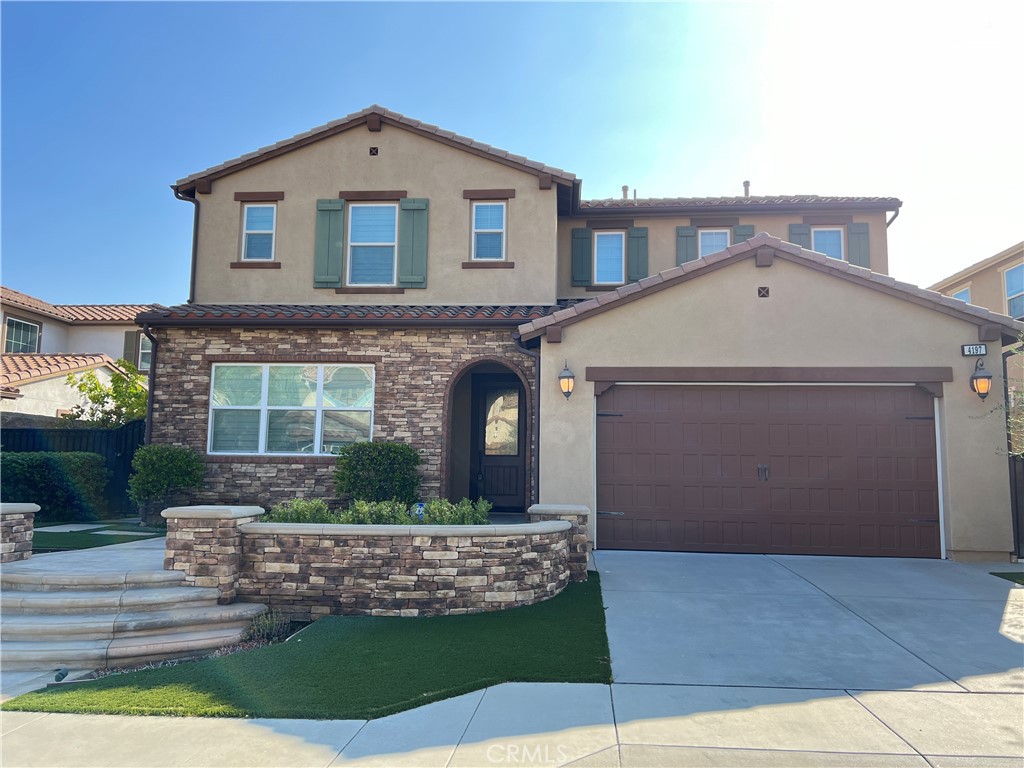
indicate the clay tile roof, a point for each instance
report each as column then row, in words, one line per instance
column 13, row 298
column 756, row 201
column 345, row 314
column 782, row 249
column 105, row 313
column 358, row 118
column 24, row 368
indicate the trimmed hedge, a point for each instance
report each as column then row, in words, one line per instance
column 160, row 470
column 431, row 512
column 378, row 472
column 66, row 485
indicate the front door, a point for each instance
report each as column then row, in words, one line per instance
column 499, row 447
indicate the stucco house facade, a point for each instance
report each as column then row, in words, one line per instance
column 747, row 378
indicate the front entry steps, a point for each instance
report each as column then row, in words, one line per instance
column 98, row 620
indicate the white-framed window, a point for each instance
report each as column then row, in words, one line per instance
column 1013, row 279
column 21, row 336
column 289, row 408
column 258, row 226
column 964, row 294
column 609, row 258
column 372, row 243
column 489, row 231
column 712, row 241
column 145, row 353
column 828, row 240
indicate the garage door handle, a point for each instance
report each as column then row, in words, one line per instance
column 759, row 470
column 924, row 522
column 766, row 472
column 612, row 514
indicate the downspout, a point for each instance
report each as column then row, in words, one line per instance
column 890, row 221
column 195, row 248
column 152, row 379
column 535, row 479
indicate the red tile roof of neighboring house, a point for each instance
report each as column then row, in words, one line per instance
column 343, row 314
column 742, row 202
column 81, row 314
column 10, row 393
column 774, row 248
column 388, row 117
column 11, row 297
column 18, row 368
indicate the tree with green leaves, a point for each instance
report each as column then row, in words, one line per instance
column 110, row 405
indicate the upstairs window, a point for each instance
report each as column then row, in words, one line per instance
column 1015, row 292
column 489, row 231
column 712, row 241
column 609, row 258
column 145, row 353
column 828, row 240
column 21, row 336
column 258, row 237
column 372, row 242
column 964, row 294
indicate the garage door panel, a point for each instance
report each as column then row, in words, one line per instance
column 852, row 470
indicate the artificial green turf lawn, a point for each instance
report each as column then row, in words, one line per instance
column 356, row 667
column 1016, row 578
column 79, row 540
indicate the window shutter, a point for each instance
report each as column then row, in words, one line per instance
column 858, row 249
column 742, row 232
column 329, row 259
column 412, row 242
column 582, row 257
column 131, row 347
column 636, row 254
column 686, row 244
column 800, row 234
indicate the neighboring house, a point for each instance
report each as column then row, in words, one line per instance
column 381, row 278
column 43, row 343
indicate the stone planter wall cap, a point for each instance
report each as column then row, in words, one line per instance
column 211, row 512
column 558, row 509
column 362, row 531
column 17, row 508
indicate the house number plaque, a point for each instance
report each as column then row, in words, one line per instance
column 974, row 350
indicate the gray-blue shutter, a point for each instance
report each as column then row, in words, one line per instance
column 800, row 234
column 582, row 257
column 412, row 242
column 858, row 247
column 686, row 244
column 742, row 232
column 329, row 255
column 636, row 254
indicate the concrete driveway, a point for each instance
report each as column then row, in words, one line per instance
column 872, row 661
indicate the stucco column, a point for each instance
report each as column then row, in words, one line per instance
column 205, row 542
column 17, row 522
column 579, row 543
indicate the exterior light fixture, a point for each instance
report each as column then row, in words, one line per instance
column 567, row 381
column 981, row 380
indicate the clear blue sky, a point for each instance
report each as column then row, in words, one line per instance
column 104, row 105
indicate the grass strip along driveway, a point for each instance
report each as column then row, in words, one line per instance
column 343, row 667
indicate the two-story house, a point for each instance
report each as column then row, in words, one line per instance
column 709, row 374
column 42, row 343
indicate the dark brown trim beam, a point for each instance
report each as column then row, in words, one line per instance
column 764, row 256
column 381, row 194
column 714, row 221
column 258, row 197
column 826, row 219
column 488, row 194
column 373, row 123
column 742, row 209
column 990, row 332
column 255, row 265
column 369, row 290
column 751, row 375
column 609, row 224
column 220, row 458
column 488, row 265
column 322, row 357
column 554, row 335
column 204, row 186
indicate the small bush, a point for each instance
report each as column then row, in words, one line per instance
column 301, row 511
column 65, row 485
column 376, row 513
column 160, row 470
column 466, row 512
column 269, row 627
column 378, row 472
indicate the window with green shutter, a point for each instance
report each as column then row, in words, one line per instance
column 636, row 256
column 582, row 257
column 329, row 254
column 412, row 242
column 686, row 245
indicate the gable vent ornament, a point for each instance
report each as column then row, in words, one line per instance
column 981, row 380
column 567, row 381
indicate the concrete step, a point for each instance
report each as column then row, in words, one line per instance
column 121, row 651
column 82, row 601
column 107, row 626
column 47, row 581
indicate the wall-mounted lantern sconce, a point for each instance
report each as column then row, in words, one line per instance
column 567, row 381
column 981, row 380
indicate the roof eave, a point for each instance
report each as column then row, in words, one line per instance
column 159, row 320
column 879, row 206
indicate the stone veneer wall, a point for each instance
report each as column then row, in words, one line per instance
column 17, row 524
column 414, row 367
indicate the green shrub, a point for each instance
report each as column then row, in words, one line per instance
column 66, row 486
column 466, row 512
column 378, row 472
column 300, row 511
column 269, row 627
column 160, row 470
column 376, row 513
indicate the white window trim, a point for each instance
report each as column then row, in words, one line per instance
column 961, row 289
column 263, row 408
column 597, row 234
column 504, row 221
column 246, row 231
column 349, row 244
column 138, row 354
column 842, row 239
column 7, row 334
column 700, row 239
column 1006, row 290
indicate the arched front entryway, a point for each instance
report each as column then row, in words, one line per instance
column 489, row 436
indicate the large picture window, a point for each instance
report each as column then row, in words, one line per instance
column 290, row 408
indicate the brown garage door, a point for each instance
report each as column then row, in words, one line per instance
column 798, row 470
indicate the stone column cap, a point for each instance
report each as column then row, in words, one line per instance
column 558, row 509
column 211, row 512
column 17, row 508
